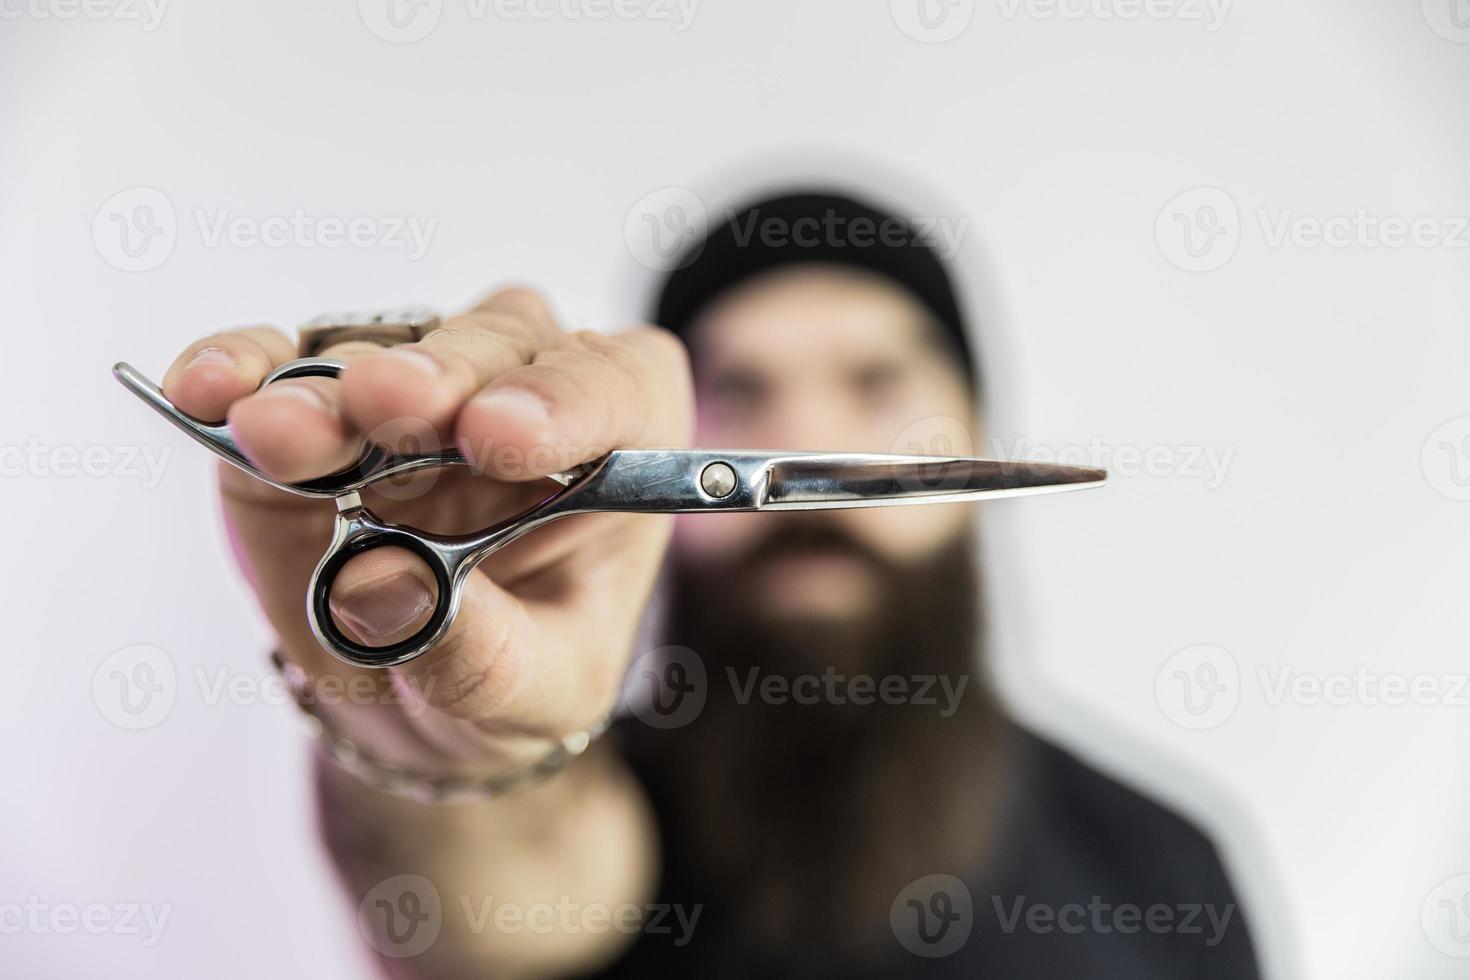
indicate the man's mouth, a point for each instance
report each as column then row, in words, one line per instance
column 811, row 561
column 819, row 582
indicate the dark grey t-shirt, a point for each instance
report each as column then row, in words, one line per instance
column 1088, row 879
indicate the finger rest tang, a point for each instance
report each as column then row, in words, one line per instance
column 373, row 465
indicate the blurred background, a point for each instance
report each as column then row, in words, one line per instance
column 1219, row 247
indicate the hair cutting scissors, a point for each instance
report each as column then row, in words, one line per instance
column 651, row 481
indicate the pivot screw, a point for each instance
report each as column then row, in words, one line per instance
column 718, row 480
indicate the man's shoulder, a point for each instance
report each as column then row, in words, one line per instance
column 1075, row 834
column 1082, row 798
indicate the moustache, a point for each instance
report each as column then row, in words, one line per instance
column 807, row 535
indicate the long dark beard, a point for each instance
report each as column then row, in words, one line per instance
column 805, row 821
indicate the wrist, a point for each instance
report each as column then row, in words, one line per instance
column 380, row 747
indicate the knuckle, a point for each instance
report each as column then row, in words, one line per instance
column 668, row 371
column 479, row 323
column 525, row 301
column 664, row 347
column 463, row 329
column 474, row 675
column 477, row 346
column 609, row 352
column 464, row 696
column 453, row 333
column 590, row 342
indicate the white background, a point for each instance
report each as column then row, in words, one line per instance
column 1332, row 543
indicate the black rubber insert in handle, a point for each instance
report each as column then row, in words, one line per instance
column 384, row 656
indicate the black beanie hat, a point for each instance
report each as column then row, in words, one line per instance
column 812, row 227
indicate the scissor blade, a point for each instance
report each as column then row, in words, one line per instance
column 831, row 481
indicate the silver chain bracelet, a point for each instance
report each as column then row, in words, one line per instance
column 407, row 783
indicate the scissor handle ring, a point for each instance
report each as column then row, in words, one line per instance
column 372, row 456
column 305, row 367
column 446, row 603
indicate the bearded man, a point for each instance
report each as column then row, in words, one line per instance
column 806, row 777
